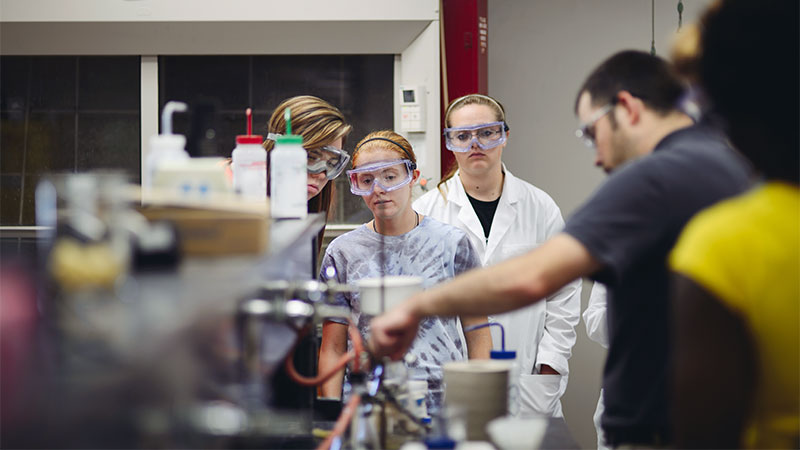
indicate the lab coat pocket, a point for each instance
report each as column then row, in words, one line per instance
column 539, row 394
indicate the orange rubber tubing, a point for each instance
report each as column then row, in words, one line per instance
column 342, row 422
column 358, row 347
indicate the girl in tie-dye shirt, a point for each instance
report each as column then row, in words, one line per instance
column 399, row 241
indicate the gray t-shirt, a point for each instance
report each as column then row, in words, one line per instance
column 434, row 251
column 630, row 224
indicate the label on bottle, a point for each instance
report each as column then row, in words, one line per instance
column 250, row 172
column 288, row 179
column 253, row 179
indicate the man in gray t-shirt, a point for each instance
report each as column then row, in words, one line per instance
column 628, row 108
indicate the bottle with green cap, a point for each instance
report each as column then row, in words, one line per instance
column 288, row 175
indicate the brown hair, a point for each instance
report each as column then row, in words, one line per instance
column 387, row 140
column 455, row 105
column 320, row 123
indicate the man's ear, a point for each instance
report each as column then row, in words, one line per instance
column 633, row 107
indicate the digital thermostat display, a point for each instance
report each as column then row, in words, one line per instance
column 412, row 109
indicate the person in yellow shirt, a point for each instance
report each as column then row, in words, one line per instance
column 736, row 285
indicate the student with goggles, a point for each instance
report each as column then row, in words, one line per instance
column 324, row 132
column 505, row 216
column 398, row 241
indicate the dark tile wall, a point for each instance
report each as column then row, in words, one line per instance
column 79, row 113
column 218, row 89
column 64, row 114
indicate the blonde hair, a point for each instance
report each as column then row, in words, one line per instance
column 475, row 99
column 319, row 122
column 685, row 52
column 386, row 140
column 455, row 105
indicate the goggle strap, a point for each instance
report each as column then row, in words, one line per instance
column 382, row 165
column 477, row 127
column 413, row 164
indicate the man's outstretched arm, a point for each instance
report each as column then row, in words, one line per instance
column 503, row 287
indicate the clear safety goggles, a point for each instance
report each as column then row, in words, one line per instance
column 328, row 159
column 487, row 136
column 389, row 175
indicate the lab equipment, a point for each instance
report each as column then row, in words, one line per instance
column 165, row 146
column 288, row 175
column 250, row 164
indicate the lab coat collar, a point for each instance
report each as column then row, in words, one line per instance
column 504, row 217
column 512, row 191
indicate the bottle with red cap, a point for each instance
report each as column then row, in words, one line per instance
column 250, row 164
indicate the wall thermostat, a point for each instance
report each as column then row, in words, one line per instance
column 412, row 108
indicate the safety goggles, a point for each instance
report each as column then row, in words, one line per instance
column 487, row 136
column 328, row 159
column 389, row 175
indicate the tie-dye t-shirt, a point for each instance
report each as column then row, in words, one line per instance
column 434, row 251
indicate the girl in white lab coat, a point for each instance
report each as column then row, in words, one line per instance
column 504, row 217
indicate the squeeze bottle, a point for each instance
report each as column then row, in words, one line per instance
column 250, row 164
column 288, row 165
column 510, row 356
column 165, row 146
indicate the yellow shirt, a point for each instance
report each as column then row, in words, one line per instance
column 746, row 251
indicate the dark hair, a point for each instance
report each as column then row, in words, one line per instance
column 749, row 69
column 647, row 77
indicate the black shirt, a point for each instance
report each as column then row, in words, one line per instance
column 630, row 224
column 485, row 212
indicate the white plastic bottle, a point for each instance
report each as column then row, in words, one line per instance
column 165, row 146
column 288, row 165
column 250, row 164
column 510, row 356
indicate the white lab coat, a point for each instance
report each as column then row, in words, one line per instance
column 542, row 333
column 595, row 315
column 597, row 329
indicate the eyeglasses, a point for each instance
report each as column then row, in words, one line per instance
column 328, row 159
column 487, row 136
column 586, row 131
column 389, row 175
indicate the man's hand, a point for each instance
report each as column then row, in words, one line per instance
column 394, row 331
